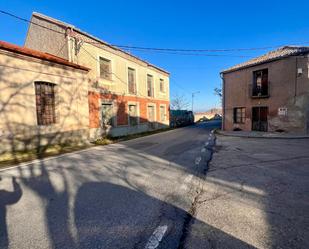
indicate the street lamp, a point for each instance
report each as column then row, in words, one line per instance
column 193, row 98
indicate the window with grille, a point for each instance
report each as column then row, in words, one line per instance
column 239, row 115
column 162, row 86
column 105, row 69
column 149, row 85
column 131, row 81
column 133, row 117
column 162, row 113
column 45, row 103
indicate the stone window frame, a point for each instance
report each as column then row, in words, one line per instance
column 138, row 111
column 165, row 112
column 155, row 111
column 115, row 110
column 128, row 67
column 242, row 115
column 153, row 85
column 54, row 117
column 104, row 80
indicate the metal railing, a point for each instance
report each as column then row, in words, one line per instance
column 259, row 92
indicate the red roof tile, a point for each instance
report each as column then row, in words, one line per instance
column 277, row 54
column 40, row 55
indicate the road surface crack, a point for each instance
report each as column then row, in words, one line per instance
column 192, row 211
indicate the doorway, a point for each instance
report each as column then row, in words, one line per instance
column 107, row 117
column 259, row 118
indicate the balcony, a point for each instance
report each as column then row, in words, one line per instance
column 259, row 91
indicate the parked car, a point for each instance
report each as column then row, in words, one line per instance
column 179, row 118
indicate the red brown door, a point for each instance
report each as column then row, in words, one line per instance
column 259, row 118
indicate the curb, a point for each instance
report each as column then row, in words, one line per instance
column 260, row 137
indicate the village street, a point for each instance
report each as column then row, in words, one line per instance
column 125, row 195
column 255, row 195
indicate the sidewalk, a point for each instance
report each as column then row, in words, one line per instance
column 259, row 134
column 254, row 196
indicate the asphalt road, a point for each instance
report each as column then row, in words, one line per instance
column 134, row 194
column 255, row 195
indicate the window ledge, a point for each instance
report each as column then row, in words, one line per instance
column 104, row 81
column 260, row 96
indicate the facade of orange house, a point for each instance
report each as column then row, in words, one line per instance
column 268, row 93
column 43, row 99
column 125, row 94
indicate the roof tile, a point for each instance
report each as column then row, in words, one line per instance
column 38, row 54
column 270, row 56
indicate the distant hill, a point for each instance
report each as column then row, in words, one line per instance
column 214, row 112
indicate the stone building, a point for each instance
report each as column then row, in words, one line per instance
column 268, row 93
column 43, row 99
column 125, row 94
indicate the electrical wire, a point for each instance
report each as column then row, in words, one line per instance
column 25, row 20
column 204, row 50
column 137, row 94
column 176, row 51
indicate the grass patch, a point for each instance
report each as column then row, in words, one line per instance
column 104, row 141
column 7, row 159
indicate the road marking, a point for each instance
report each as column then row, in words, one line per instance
column 198, row 160
column 156, row 237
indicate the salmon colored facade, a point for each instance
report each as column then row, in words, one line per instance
column 122, row 103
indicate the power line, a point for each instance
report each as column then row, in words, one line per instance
column 136, row 48
column 28, row 21
column 206, row 50
column 190, row 54
column 191, row 50
column 177, row 51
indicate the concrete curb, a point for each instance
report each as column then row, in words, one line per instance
column 269, row 136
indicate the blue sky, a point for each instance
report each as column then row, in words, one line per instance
column 176, row 24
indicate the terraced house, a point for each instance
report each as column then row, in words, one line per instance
column 268, row 93
column 125, row 94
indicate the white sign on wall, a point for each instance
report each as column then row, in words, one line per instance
column 282, row 111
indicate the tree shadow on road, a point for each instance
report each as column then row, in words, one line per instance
column 7, row 198
column 96, row 213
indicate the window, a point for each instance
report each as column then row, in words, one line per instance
column 162, row 86
column 105, row 69
column 151, row 113
column 107, row 114
column 131, row 81
column 260, row 83
column 162, row 113
column 239, row 115
column 45, row 103
column 149, row 85
column 133, row 116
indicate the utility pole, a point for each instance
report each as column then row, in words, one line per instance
column 193, row 94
